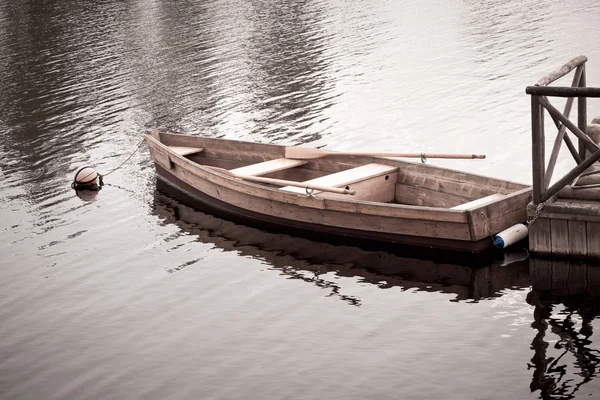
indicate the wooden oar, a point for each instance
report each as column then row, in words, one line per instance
column 307, row 153
column 281, row 182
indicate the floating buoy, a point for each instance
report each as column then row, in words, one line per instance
column 86, row 178
column 510, row 236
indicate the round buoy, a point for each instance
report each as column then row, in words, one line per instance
column 86, row 178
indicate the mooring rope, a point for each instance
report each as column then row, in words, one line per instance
column 127, row 159
column 100, row 176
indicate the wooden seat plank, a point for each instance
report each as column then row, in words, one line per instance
column 266, row 167
column 347, row 177
column 186, row 151
column 479, row 202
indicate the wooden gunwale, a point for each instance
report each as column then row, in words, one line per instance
column 385, row 221
column 356, row 206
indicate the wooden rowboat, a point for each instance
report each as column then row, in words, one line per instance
column 363, row 197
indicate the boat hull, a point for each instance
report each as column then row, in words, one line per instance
column 191, row 196
column 468, row 228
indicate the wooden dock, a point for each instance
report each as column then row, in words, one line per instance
column 564, row 218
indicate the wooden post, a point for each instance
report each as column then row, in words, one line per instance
column 582, row 111
column 538, row 148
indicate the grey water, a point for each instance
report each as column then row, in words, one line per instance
column 127, row 294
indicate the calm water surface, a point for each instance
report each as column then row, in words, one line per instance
column 131, row 295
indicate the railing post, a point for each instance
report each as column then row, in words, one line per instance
column 538, row 148
column 582, row 112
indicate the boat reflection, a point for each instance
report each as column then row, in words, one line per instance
column 322, row 263
column 566, row 300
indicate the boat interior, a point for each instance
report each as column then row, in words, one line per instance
column 376, row 179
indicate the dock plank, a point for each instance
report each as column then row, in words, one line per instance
column 540, row 240
column 559, row 231
column 593, row 239
column 577, row 238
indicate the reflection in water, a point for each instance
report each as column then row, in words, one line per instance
column 289, row 69
column 322, row 264
column 566, row 301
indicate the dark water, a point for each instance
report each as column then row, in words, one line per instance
column 130, row 295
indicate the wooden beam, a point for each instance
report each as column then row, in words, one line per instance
column 562, row 71
column 582, row 112
column 590, row 145
column 563, row 91
column 537, row 148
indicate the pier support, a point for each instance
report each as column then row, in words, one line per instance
column 565, row 216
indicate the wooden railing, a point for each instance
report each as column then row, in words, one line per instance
column 539, row 104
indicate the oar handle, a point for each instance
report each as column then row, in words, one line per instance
column 412, row 155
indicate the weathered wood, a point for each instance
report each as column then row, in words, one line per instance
column 588, row 186
column 537, row 148
column 559, row 230
column 574, row 192
column 495, row 217
column 577, row 238
column 539, row 236
column 583, row 137
column 593, row 239
column 562, row 71
column 452, row 185
column 447, row 180
column 418, row 196
column 571, row 175
column 231, row 149
column 267, row 167
column 429, row 226
column 582, row 112
column 574, row 152
column 560, row 137
column 574, row 207
column 487, row 226
column 563, row 91
column 184, row 151
column 330, row 217
column 377, row 189
column 480, row 202
column 572, row 217
column 347, row 177
column 396, row 210
column 589, row 178
column 304, row 186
